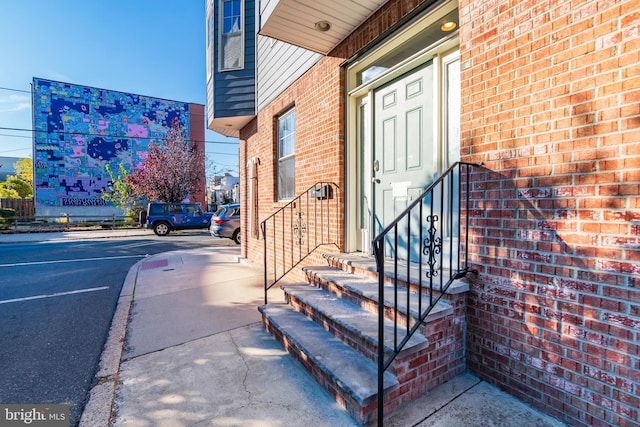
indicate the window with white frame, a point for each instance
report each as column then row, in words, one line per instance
column 286, row 155
column 231, row 55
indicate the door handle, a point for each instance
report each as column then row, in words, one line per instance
column 375, row 181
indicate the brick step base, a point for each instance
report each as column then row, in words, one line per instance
column 348, row 375
column 330, row 325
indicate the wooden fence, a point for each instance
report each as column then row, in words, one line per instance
column 23, row 207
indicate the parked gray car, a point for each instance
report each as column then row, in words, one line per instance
column 226, row 222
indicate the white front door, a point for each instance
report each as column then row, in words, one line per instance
column 403, row 117
column 405, row 154
column 408, row 134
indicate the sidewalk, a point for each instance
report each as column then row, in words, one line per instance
column 187, row 348
column 72, row 235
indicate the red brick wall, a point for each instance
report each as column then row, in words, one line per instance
column 318, row 97
column 319, row 155
column 196, row 135
column 551, row 105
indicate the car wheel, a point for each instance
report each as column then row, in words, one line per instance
column 161, row 229
column 236, row 236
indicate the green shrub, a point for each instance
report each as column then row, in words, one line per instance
column 7, row 217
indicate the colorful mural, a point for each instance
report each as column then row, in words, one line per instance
column 79, row 130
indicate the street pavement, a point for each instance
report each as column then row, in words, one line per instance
column 7, row 237
column 186, row 348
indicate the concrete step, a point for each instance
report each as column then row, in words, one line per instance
column 348, row 375
column 363, row 291
column 350, row 322
column 408, row 272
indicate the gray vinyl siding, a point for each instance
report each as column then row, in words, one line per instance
column 210, row 44
column 279, row 65
column 266, row 7
column 234, row 92
column 210, row 101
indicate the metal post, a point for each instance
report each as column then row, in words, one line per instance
column 264, row 258
column 378, row 248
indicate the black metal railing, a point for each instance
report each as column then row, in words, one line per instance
column 297, row 229
column 430, row 241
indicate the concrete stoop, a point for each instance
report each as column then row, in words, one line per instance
column 330, row 325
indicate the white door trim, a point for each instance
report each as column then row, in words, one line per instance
column 355, row 92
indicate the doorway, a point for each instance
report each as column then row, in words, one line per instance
column 404, row 150
column 403, row 117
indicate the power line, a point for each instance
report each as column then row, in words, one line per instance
column 101, row 135
column 17, row 149
column 221, row 154
column 223, row 164
column 131, row 137
column 107, row 136
column 17, row 129
column 16, row 136
column 181, row 102
column 190, row 113
column 15, row 90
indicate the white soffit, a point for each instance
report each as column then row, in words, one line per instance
column 229, row 126
column 293, row 21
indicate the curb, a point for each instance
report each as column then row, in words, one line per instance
column 99, row 408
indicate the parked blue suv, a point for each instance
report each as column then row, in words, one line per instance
column 165, row 217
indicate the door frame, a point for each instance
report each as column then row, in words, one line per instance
column 355, row 168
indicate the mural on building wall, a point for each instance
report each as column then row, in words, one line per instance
column 79, row 130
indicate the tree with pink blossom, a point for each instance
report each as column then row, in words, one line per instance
column 171, row 171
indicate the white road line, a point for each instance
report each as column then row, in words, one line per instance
column 20, row 264
column 59, row 294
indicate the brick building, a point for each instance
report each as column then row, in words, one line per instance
column 81, row 129
column 380, row 98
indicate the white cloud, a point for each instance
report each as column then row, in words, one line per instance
column 11, row 103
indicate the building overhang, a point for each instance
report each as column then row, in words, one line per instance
column 315, row 25
column 230, row 126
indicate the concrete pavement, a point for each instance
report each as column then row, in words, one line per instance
column 6, row 237
column 186, row 348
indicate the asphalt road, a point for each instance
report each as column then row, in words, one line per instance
column 57, row 301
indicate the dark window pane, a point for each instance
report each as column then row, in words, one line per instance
column 231, row 17
column 157, row 209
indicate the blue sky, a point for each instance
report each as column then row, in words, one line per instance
column 147, row 47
